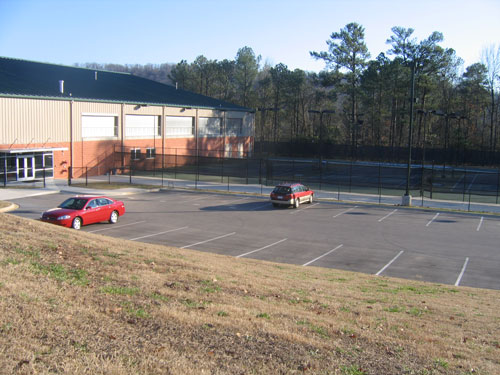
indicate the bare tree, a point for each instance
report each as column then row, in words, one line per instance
column 490, row 57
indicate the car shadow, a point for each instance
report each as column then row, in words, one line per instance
column 247, row 206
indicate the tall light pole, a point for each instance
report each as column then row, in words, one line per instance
column 407, row 197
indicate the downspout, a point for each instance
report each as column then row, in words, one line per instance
column 70, row 170
column 196, row 132
column 162, row 129
column 122, row 138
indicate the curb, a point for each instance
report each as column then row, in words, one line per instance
column 12, row 207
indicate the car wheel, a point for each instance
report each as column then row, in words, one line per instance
column 77, row 223
column 297, row 202
column 310, row 198
column 113, row 219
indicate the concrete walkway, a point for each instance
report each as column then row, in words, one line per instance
column 55, row 186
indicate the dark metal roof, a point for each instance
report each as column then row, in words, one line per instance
column 22, row 78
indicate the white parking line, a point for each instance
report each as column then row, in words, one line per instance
column 386, row 216
column 211, row 239
column 324, row 255
column 157, row 234
column 343, row 212
column 480, row 223
column 305, row 208
column 262, row 248
column 388, row 264
column 434, row 218
column 457, row 283
column 115, row 226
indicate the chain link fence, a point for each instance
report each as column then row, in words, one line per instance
column 439, row 182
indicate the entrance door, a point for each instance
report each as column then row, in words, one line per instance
column 25, row 168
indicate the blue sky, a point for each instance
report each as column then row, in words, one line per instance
column 154, row 31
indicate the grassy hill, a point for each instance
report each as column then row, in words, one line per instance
column 78, row 303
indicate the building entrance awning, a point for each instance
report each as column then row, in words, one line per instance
column 35, row 149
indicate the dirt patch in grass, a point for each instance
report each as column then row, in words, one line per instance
column 75, row 303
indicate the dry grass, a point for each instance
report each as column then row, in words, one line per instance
column 77, row 303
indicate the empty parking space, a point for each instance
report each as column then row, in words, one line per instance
column 444, row 247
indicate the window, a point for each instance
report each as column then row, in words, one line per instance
column 99, row 126
column 142, row 126
column 179, row 126
column 135, row 154
column 210, row 127
column 150, row 153
column 103, row 201
column 234, row 127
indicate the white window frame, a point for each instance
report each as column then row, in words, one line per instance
column 93, row 128
column 142, row 126
column 135, row 154
column 150, row 152
column 179, row 126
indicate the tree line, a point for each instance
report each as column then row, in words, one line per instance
column 356, row 101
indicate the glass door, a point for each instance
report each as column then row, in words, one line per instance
column 25, row 168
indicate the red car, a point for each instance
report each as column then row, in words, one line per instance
column 83, row 210
column 291, row 195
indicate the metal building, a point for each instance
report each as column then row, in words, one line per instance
column 55, row 119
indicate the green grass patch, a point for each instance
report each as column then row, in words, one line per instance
column 119, row 290
column 263, row 315
column 60, row 273
column 351, row 370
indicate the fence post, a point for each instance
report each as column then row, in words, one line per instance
column 498, row 184
column 465, row 183
column 222, row 170
column 422, row 179
column 260, row 171
column 432, row 178
column 320, row 173
column 197, row 171
column 70, row 173
column 86, row 176
column 44, row 184
column 350, row 177
column 175, row 165
column 5, row 171
column 379, row 184
column 130, row 171
column 247, row 168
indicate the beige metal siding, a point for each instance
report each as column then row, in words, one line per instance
column 33, row 121
column 81, row 108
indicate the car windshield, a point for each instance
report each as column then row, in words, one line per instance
column 74, row 203
column 282, row 190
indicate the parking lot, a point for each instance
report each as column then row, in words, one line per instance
column 427, row 245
